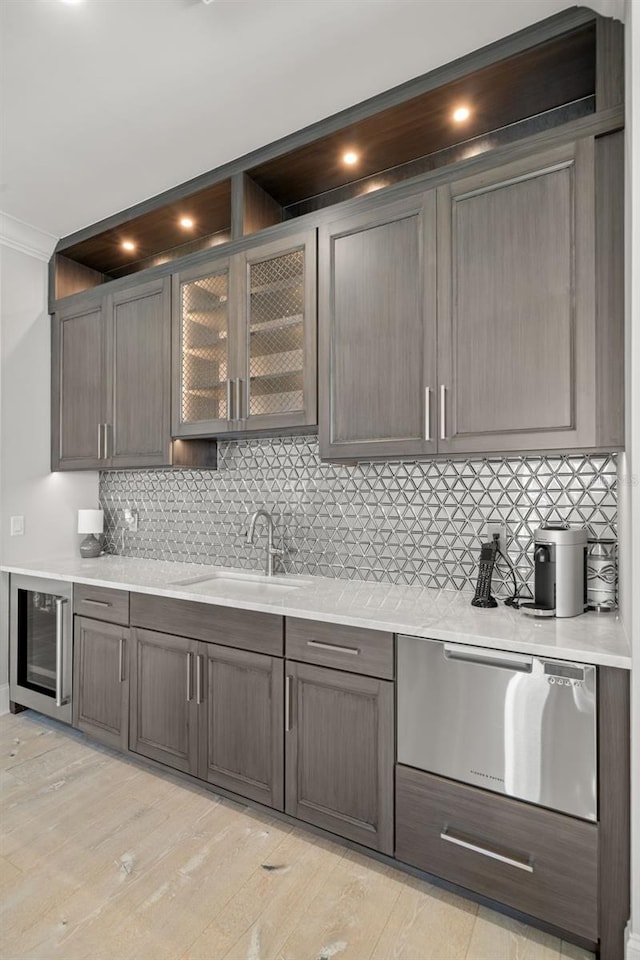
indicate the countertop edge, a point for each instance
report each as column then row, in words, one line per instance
column 285, row 606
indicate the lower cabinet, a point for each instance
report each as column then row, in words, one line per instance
column 340, row 753
column 101, row 681
column 209, row 710
column 241, row 747
column 163, row 707
column 542, row 863
column 312, row 733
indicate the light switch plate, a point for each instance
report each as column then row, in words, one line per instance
column 17, row 526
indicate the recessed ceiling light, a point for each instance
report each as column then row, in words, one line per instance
column 460, row 114
column 186, row 222
column 127, row 245
column 350, row 157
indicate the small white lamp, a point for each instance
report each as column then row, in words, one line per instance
column 90, row 522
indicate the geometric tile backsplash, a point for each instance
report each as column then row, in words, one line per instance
column 416, row 522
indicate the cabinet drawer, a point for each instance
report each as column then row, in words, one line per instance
column 541, row 863
column 244, row 629
column 100, row 603
column 353, row 649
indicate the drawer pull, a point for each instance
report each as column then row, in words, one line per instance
column 334, row 648
column 96, row 603
column 485, row 851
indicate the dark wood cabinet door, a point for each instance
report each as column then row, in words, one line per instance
column 139, row 381
column 277, row 335
column 339, row 746
column 78, row 409
column 163, row 718
column 101, row 681
column 377, row 325
column 516, row 311
column 241, row 722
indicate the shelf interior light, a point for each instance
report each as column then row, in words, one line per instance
column 460, row 114
column 186, row 222
column 350, row 157
column 128, row 245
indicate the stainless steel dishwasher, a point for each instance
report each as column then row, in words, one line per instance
column 519, row 725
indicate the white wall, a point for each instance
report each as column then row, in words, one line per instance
column 48, row 501
column 630, row 517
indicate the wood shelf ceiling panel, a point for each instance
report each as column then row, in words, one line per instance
column 157, row 231
column 540, row 79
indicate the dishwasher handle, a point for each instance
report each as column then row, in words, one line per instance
column 488, row 658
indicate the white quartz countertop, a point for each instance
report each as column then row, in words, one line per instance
column 418, row 611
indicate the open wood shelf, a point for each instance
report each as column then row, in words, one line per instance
column 537, row 80
column 518, row 88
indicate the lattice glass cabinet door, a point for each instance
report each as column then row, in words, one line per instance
column 279, row 332
column 203, row 350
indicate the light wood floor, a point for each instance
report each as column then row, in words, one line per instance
column 102, row 859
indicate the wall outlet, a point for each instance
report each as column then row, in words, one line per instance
column 498, row 527
column 131, row 519
column 17, row 526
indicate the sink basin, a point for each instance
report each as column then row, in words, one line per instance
column 244, row 582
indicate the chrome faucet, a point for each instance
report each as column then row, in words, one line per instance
column 271, row 550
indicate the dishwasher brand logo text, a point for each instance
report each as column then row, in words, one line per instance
column 487, row 776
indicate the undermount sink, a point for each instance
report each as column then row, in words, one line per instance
column 244, row 582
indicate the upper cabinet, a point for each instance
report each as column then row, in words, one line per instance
column 203, row 350
column 139, row 362
column 378, row 332
column 244, row 341
column 517, row 315
column 529, row 324
column 111, row 380
column 78, row 380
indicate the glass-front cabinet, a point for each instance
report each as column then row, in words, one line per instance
column 202, row 350
column 245, row 341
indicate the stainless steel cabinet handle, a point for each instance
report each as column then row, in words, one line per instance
column 121, row 660
column 199, row 693
column 189, row 674
column 287, row 703
column 443, row 412
column 461, row 841
column 96, row 603
column 99, row 441
column 333, row 647
column 60, row 601
column 106, row 440
column 239, row 405
column 427, row 413
column 229, row 417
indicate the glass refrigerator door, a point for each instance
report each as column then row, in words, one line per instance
column 37, row 641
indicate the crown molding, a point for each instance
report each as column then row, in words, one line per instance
column 27, row 239
column 607, row 8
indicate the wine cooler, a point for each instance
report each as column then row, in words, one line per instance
column 41, row 646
